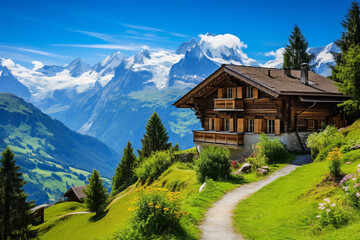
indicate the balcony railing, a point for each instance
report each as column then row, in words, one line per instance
column 228, row 104
column 224, row 138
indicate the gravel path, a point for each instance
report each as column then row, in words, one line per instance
column 218, row 222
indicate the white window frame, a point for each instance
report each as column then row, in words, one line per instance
column 226, row 124
column 270, row 126
column 250, row 125
column 249, row 92
column 229, row 93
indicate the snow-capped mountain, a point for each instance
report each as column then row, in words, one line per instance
column 321, row 63
column 8, row 83
column 206, row 56
column 105, row 100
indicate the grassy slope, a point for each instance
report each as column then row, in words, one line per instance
column 281, row 209
column 179, row 177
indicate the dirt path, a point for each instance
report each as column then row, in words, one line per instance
column 218, row 222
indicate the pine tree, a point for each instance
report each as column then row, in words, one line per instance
column 156, row 138
column 124, row 175
column 15, row 216
column 350, row 36
column 95, row 193
column 348, row 76
column 296, row 51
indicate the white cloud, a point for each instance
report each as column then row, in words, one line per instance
column 222, row 40
column 37, row 65
column 276, row 54
column 30, row 50
column 105, row 46
column 152, row 29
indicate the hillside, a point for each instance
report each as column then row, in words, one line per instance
column 265, row 215
column 51, row 156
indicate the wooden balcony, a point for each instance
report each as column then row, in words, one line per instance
column 224, row 138
column 228, row 104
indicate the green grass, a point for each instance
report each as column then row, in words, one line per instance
column 178, row 177
column 281, row 209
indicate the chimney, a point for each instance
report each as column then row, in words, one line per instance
column 287, row 71
column 269, row 73
column 304, row 76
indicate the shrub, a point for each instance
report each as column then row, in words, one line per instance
column 57, row 177
column 152, row 167
column 157, row 213
column 351, row 187
column 321, row 143
column 266, row 152
column 335, row 164
column 329, row 214
column 214, row 163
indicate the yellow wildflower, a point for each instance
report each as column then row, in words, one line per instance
column 166, row 209
column 157, row 206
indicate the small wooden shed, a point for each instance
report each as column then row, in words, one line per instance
column 75, row 194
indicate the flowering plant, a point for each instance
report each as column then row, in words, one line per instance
column 329, row 214
column 234, row 164
column 156, row 210
column 351, row 187
column 335, row 164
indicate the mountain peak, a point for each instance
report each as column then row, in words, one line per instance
column 77, row 67
column 186, row 46
column 140, row 56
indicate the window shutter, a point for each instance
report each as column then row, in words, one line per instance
column 239, row 92
column 220, row 93
column 255, row 93
column 240, row 125
column 231, row 125
column 277, row 127
column 217, row 124
column 221, row 127
column 206, row 124
column 234, row 92
column 258, row 125
column 264, row 126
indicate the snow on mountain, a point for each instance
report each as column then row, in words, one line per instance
column 225, row 49
column 77, row 67
column 205, row 57
column 186, row 46
column 321, row 63
column 8, row 83
column 324, row 58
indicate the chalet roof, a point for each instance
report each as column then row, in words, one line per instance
column 78, row 190
column 275, row 85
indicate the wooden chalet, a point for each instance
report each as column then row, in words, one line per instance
column 75, row 194
column 237, row 103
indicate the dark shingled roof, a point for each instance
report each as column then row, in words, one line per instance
column 282, row 83
column 78, row 190
column 275, row 85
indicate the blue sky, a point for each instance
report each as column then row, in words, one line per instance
column 55, row 32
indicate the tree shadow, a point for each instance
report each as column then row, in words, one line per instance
column 99, row 216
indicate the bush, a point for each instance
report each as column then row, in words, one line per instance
column 267, row 151
column 335, row 164
column 329, row 214
column 152, row 167
column 322, row 143
column 57, row 177
column 214, row 163
column 157, row 214
column 351, row 187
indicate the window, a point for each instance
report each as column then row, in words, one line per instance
column 249, row 92
column 229, row 93
column 226, row 124
column 270, row 125
column 212, row 124
column 250, row 126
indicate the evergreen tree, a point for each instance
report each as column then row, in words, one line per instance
column 350, row 36
column 348, row 76
column 95, row 193
column 124, row 175
column 295, row 52
column 156, row 138
column 15, row 216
